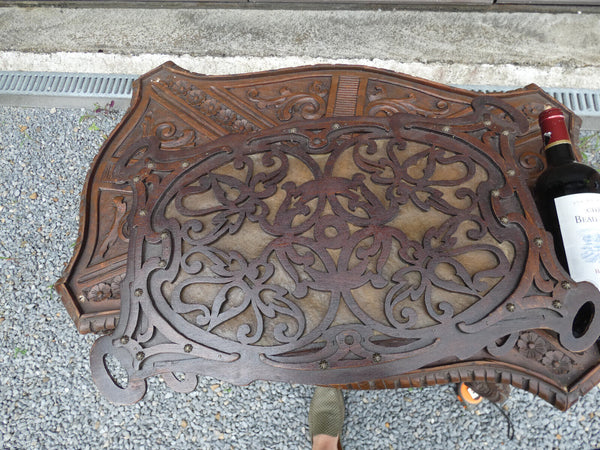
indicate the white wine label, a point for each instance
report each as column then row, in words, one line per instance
column 579, row 219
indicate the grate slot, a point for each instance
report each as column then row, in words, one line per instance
column 60, row 82
column 92, row 87
column 85, row 85
column 78, row 84
column 36, row 83
column 17, row 82
column 57, row 85
column 66, row 87
column 102, row 86
column 29, row 83
column 43, row 84
column 110, row 85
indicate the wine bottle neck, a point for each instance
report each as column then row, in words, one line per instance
column 557, row 142
column 559, row 154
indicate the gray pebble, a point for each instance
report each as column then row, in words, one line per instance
column 47, row 397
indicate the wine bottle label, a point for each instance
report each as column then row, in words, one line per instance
column 579, row 220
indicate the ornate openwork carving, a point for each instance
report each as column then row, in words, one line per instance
column 362, row 251
column 289, row 104
column 381, row 103
column 204, row 103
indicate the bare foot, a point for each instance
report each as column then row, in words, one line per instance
column 324, row 442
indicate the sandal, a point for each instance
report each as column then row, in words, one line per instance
column 326, row 413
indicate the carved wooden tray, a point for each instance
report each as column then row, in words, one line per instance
column 331, row 225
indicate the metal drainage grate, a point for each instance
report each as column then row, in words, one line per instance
column 64, row 89
column 81, row 89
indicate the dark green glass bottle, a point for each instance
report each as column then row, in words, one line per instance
column 567, row 194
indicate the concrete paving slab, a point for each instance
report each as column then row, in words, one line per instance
column 500, row 48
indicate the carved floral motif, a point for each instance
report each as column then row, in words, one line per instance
column 381, row 104
column 557, row 362
column 208, row 105
column 169, row 135
column 532, row 345
column 115, row 285
column 289, row 104
column 110, row 289
column 100, row 292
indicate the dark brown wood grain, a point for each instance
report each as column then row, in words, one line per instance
column 325, row 225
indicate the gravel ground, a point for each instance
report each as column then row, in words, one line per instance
column 48, row 400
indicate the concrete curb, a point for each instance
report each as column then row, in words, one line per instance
column 458, row 73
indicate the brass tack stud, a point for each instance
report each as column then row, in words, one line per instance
column 142, row 212
column 185, row 164
column 124, row 340
column 293, row 130
column 487, row 123
column 511, row 172
column 138, row 292
column 323, row 364
column 162, row 263
column 336, row 126
column 510, row 307
column 557, row 304
column 504, row 220
column 376, row 357
column 506, row 132
column 82, row 298
column 140, row 356
column 565, row 285
column 188, row 348
column 136, row 179
column 496, row 193
column 446, row 129
column 164, row 235
column 151, row 165
column 538, row 241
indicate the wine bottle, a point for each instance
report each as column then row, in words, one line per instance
column 567, row 195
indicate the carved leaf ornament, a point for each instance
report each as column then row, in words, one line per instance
column 270, row 237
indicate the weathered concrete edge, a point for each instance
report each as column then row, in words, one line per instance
column 463, row 74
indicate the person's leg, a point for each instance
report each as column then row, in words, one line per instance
column 324, row 442
column 326, row 418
